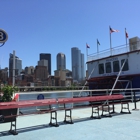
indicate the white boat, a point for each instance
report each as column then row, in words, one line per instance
column 117, row 67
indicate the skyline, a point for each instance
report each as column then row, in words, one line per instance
column 35, row 27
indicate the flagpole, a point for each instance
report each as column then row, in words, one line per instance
column 97, row 49
column 110, row 41
column 87, row 51
column 125, row 37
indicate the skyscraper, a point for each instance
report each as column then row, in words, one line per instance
column 43, row 62
column 46, row 56
column 29, row 70
column 78, row 69
column 61, row 61
column 18, row 66
column 41, row 73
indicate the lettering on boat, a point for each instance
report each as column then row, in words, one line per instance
column 112, row 59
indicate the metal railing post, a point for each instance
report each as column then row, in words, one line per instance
column 135, row 104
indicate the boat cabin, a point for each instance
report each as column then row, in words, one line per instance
column 116, row 67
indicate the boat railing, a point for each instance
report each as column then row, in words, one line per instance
column 109, row 52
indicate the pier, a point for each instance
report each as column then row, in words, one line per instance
column 34, row 127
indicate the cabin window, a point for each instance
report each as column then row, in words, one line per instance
column 108, row 67
column 125, row 67
column 116, row 67
column 101, row 68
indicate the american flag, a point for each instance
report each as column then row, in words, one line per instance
column 112, row 30
column 126, row 34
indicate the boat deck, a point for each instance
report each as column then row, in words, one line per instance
column 35, row 127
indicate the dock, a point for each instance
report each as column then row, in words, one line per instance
column 36, row 127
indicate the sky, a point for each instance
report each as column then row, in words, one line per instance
column 54, row 26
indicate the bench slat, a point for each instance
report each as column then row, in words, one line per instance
column 30, row 103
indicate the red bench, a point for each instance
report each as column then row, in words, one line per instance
column 105, row 101
column 10, row 106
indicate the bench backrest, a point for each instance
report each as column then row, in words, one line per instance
column 75, row 100
column 31, row 103
column 92, row 98
column 27, row 103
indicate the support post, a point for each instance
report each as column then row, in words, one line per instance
column 135, row 104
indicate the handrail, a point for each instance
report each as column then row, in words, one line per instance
column 88, row 78
column 124, row 48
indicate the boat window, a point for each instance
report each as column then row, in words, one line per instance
column 125, row 68
column 116, row 67
column 108, row 67
column 101, row 68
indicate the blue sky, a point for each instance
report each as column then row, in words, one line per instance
column 53, row 26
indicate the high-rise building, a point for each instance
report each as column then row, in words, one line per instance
column 18, row 66
column 43, row 62
column 61, row 61
column 41, row 73
column 4, row 75
column 78, row 69
column 46, row 56
column 29, row 70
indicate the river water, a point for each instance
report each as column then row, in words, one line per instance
column 48, row 95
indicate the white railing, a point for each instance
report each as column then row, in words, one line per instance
column 72, row 94
column 108, row 52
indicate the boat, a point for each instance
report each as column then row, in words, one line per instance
column 115, row 68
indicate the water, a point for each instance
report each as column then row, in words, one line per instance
column 48, row 95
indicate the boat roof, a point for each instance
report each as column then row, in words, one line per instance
column 126, row 53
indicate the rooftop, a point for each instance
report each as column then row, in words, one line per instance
column 134, row 44
column 119, row 126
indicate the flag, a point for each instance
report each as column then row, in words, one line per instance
column 126, row 34
column 87, row 45
column 112, row 30
column 16, row 97
column 98, row 42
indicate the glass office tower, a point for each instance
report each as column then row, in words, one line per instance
column 78, row 69
column 46, row 56
column 18, row 66
column 61, row 61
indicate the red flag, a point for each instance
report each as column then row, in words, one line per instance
column 112, row 30
column 126, row 34
column 16, row 97
column 87, row 45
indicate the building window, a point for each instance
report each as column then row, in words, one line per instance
column 125, row 67
column 101, row 68
column 108, row 67
column 116, row 67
